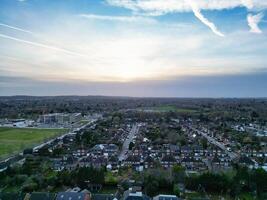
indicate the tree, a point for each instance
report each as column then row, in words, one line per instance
column 131, row 145
column 259, row 176
column 204, row 143
column 176, row 190
column 151, row 185
column 178, row 174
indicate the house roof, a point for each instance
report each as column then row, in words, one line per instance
column 149, row 159
column 187, row 159
column 174, row 147
column 133, row 195
column 102, row 197
column 71, row 195
column 100, row 160
column 186, row 148
column 42, row 196
column 245, row 160
column 216, row 159
column 166, row 197
column 113, row 159
column 198, row 148
column 168, row 158
column 71, row 160
column 132, row 158
column 87, row 159
column 11, row 196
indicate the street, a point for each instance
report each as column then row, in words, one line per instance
column 213, row 141
column 128, row 140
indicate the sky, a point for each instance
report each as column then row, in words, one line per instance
column 155, row 48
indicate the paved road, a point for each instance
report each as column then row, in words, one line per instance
column 128, row 140
column 62, row 136
column 11, row 160
column 212, row 140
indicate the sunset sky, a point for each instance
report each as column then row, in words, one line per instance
column 167, row 48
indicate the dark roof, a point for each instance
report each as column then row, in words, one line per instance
column 100, row 160
column 186, row 148
column 168, row 158
column 112, row 147
column 187, row 159
column 87, row 159
column 144, row 197
column 198, row 148
column 71, row 160
column 128, row 195
column 11, row 196
column 71, row 195
column 102, row 197
column 174, row 147
column 245, row 160
column 132, row 158
column 167, row 197
column 113, row 159
column 149, row 159
column 216, row 159
column 42, row 196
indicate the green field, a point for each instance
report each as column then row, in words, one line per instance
column 14, row 140
column 170, row 108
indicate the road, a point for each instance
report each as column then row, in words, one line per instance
column 128, row 140
column 62, row 136
column 9, row 161
column 213, row 141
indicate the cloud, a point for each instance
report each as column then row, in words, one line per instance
column 162, row 7
column 118, row 18
column 253, row 21
column 248, row 3
column 168, row 6
column 204, row 20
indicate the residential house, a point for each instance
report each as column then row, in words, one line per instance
column 132, row 194
column 72, row 196
column 41, row 196
column 168, row 161
column 166, row 197
column 149, row 162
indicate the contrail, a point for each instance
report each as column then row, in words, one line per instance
column 204, row 20
column 41, row 45
column 35, row 43
column 16, row 28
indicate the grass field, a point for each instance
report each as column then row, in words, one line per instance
column 169, row 108
column 14, row 140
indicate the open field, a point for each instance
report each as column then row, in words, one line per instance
column 14, row 140
column 169, row 108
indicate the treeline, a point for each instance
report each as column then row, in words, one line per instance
column 240, row 181
column 29, row 178
column 244, row 181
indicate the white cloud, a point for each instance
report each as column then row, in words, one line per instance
column 248, row 3
column 118, row 18
column 167, row 6
column 161, row 7
column 253, row 21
